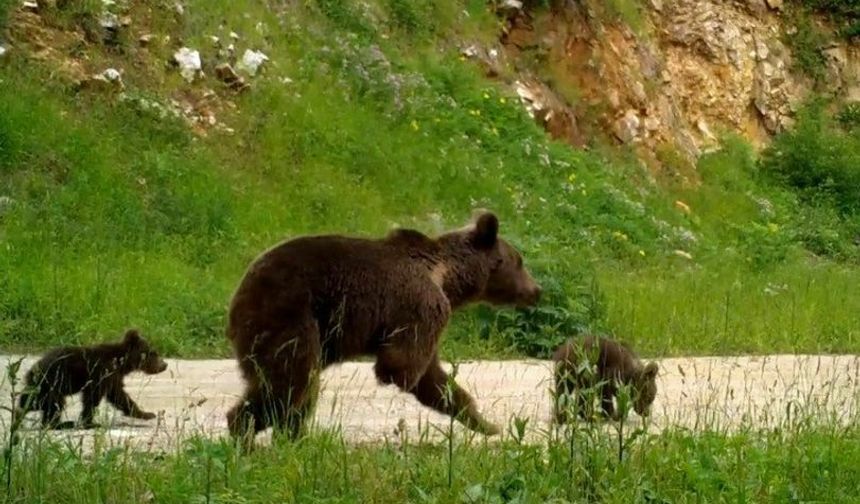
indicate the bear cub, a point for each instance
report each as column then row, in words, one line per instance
column 96, row 372
column 596, row 361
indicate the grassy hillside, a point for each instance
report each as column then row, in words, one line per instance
column 367, row 117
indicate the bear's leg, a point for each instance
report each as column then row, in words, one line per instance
column 91, row 397
column 52, row 410
column 119, row 397
column 565, row 397
column 401, row 366
column 607, row 393
column 295, row 421
column 436, row 390
column 295, row 384
column 242, row 419
column 26, row 403
column 281, row 389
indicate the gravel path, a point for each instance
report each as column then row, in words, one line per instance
column 696, row 393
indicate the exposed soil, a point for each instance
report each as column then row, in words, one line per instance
column 192, row 397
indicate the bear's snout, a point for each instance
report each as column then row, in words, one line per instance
column 529, row 296
column 156, row 367
column 534, row 295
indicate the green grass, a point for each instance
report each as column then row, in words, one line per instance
column 810, row 465
column 122, row 218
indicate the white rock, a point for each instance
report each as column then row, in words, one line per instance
column 627, row 127
column 651, row 123
column 2, row 51
column 511, row 5
column 251, row 61
column 30, row 6
column 112, row 75
column 189, row 63
column 109, row 21
column 470, row 51
column 178, row 8
column 234, row 35
column 703, row 127
column 684, row 254
column 639, row 92
column 762, row 50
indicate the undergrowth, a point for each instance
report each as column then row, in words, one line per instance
column 809, row 465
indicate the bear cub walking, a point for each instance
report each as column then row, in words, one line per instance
column 96, row 372
column 612, row 365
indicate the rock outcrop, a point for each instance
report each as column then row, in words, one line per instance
column 695, row 69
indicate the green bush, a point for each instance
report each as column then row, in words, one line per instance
column 806, row 46
column 568, row 307
column 413, row 16
column 845, row 13
column 818, row 160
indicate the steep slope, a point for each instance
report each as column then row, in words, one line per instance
column 137, row 186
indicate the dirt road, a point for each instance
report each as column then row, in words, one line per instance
column 192, row 397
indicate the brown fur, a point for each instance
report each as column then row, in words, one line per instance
column 319, row 300
column 613, row 364
column 96, row 372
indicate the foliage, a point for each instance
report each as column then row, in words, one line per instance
column 569, row 307
column 818, row 160
column 569, row 465
column 119, row 216
column 806, row 45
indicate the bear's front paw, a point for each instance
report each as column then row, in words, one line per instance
column 488, row 428
column 146, row 415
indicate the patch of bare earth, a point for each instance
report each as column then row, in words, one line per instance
column 724, row 393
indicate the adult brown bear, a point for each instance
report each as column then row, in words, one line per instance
column 318, row 300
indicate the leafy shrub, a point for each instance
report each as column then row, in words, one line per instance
column 6, row 7
column 818, row 160
column 842, row 12
column 824, row 233
column 566, row 309
column 806, row 46
column 346, row 16
column 766, row 245
column 413, row 16
column 849, row 116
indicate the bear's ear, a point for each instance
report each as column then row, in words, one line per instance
column 486, row 230
column 650, row 371
column 132, row 337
